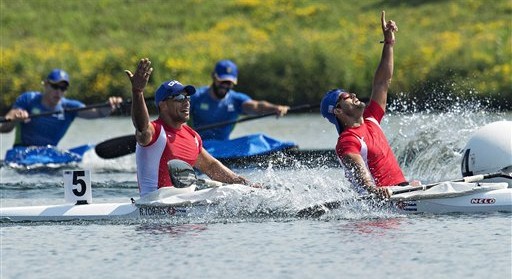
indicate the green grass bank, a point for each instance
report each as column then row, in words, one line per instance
column 287, row 51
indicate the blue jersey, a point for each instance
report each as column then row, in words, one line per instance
column 204, row 110
column 43, row 130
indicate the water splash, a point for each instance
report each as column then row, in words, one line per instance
column 428, row 142
column 122, row 164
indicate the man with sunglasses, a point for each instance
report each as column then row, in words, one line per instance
column 362, row 147
column 168, row 137
column 49, row 130
column 219, row 103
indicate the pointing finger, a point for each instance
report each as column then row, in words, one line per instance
column 383, row 19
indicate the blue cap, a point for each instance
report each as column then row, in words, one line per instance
column 226, row 70
column 58, row 75
column 172, row 88
column 328, row 104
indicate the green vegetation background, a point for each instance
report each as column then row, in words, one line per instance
column 288, row 51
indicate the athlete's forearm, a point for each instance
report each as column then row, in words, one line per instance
column 360, row 175
column 260, row 107
column 140, row 118
column 214, row 169
column 140, row 114
column 223, row 174
column 384, row 72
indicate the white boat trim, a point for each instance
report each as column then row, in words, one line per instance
column 197, row 203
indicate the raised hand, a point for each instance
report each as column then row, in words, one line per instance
column 140, row 78
column 388, row 28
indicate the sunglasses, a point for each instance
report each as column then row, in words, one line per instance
column 59, row 87
column 227, row 83
column 343, row 96
column 179, row 98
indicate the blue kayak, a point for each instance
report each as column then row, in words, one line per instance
column 246, row 146
column 30, row 157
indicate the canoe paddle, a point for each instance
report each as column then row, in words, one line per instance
column 48, row 113
column 318, row 210
column 224, row 123
column 93, row 106
column 124, row 145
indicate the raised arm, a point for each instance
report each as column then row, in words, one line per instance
column 140, row 116
column 384, row 72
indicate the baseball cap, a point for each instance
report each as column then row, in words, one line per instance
column 172, row 88
column 57, row 75
column 328, row 104
column 226, row 70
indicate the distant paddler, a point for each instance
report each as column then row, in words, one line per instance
column 42, row 118
column 362, row 147
column 220, row 103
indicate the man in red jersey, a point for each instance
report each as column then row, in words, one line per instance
column 362, row 146
column 168, row 137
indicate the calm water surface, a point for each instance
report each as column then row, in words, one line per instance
column 246, row 238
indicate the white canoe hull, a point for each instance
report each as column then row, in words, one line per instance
column 100, row 211
column 199, row 203
column 64, row 212
column 489, row 201
column 165, row 203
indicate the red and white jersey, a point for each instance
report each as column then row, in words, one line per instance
column 167, row 144
column 369, row 141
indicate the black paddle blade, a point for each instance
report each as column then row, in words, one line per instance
column 116, row 147
column 318, row 210
column 182, row 174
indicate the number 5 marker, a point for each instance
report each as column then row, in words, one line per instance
column 77, row 186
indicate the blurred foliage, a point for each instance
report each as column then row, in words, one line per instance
column 288, row 51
